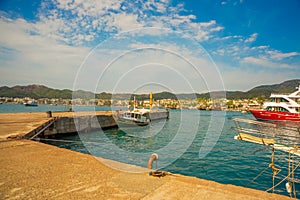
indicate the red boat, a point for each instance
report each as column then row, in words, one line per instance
column 281, row 107
column 275, row 116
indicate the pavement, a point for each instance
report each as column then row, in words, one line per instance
column 33, row 170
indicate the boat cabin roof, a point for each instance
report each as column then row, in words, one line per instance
column 139, row 111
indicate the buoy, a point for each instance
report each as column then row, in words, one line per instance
column 152, row 158
column 288, row 187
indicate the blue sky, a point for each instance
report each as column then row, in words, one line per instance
column 125, row 46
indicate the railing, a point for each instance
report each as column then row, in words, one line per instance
column 34, row 133
column 284, row 132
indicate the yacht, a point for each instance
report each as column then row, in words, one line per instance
column 280, row 107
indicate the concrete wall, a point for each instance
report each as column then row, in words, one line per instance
column 65, row 125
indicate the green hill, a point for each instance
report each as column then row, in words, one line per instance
column 40, row 91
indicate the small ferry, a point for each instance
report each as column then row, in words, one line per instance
column 138, row 117
column 280, row 107
column 141, row 117
column 31, row 103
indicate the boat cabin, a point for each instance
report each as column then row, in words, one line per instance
column 137, row 115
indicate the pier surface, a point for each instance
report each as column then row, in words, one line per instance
column 17, row 125
column 33, row 170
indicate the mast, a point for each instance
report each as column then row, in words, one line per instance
column 151, row 102
column 134, row 103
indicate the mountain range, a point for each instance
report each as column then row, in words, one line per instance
column 41, row 91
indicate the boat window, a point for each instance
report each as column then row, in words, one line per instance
column 283, row 100
column 281, row 109
column 269, row 108
column 272, row 99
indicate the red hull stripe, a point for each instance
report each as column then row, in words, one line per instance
column 275, row 116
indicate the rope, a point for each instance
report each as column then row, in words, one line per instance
column 272, row 188
column 258, row 175
column 289, row 170
column 293, row 176
column 273, row 167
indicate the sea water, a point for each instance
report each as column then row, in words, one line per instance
column 193, row 143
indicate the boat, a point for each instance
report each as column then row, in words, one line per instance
column 134, row 117
column 141, row 117
column 281, row 107
column 31, row 103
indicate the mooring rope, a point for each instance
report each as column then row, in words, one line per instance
column 258, row 175
column 283, row 179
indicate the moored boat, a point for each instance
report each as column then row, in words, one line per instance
column 31, row 103
column 280, row 107
column 138, row 117
column 141, row 117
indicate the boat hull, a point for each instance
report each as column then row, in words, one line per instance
column 266, row 115
column 32, row 105
column 130, row 123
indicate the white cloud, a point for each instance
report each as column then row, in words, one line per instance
column 277, row 55
column 125, row 22
column 34, row 58
column 204, row 30
column 263, row 47
column 59, row 40
column 264, row 62
column 252, row 38
column 70, row 21
column 246, row 79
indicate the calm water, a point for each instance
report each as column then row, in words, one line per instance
column 191, row 142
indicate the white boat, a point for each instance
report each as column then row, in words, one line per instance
column 31, row 103
column 280, row 107
column 138, row 117
column 141, row 117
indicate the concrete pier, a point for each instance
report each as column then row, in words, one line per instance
column 20, row 125
column 33, row 170
column 68, row 122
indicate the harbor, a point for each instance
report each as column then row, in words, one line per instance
column 65, row 174
column 149, row 99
